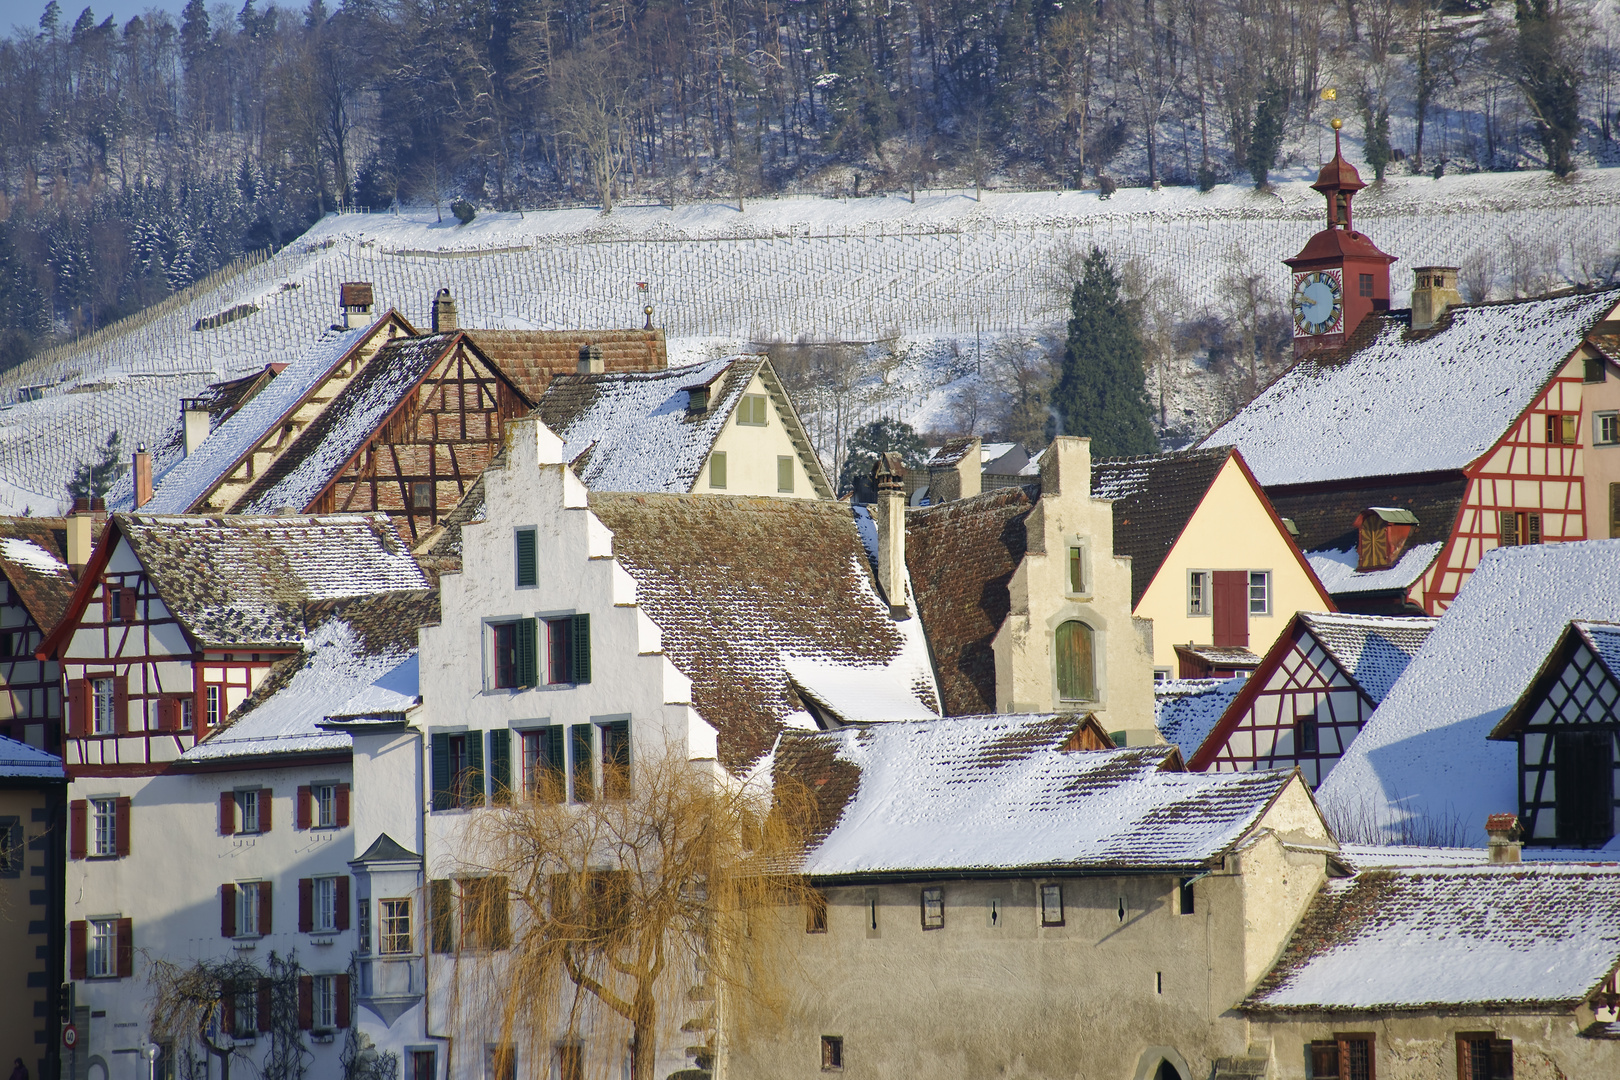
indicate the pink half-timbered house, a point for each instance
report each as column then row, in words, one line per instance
column 36, row 585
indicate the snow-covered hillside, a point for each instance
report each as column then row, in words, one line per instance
column 944, row 275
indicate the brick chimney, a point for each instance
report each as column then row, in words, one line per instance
column 889, row 515
column 1503, row 833
column 590, row 360
column 81, row 531
column 1434, row 289
column 444, row 313
column 143, row 476
column 356, row 300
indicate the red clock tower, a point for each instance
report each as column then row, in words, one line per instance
column 1340, row 277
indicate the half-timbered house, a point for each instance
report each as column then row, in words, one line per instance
column 35, row 591
column 1566, row 725
column 1312, row 693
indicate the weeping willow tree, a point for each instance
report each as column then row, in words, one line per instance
column 194, row 1009
column 591, row 935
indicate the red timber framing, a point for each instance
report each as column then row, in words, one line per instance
column 119, row 644
column 30, row 688
column 1299, row 708
column 428, row 451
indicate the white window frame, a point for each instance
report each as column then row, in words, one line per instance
column 103, row 703
column 323, row 904
column 247, row 811
column 325, row 796
column 214, row 696
column 101, row 949
column 1263, row 577
column 323, row 1015
column 1606, row 428
column 1198, row 602
column 247, row 909
column 747, row 407
column 188, row 713
column 394, row 926
column 104, row 830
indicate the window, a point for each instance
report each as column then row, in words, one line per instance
column 1259, row 592
column 12, row 852
column 717, row 469
column 1077, row 570
column 1051, row 905
column 568, row 649
column 1595, row 369
column 483, row 913
column 247, row 908
column 1482, row 1056
column 1561, row 429
column 1520, row 527
column 832, row 1053
column 458, row 769
column 362, row 928
column 1307, row 738
column 101, row 958
column 815, row 913
column 751, row 410
column 1606, row 428
column 570, row 1061
column 1583, row 786
column 325, row 796
column 422, row 495
column 528, row 570
column 325, row 908
column 784, row 473
column 244, row 1010
column 323, row 1016
column 103, row 702
column 247, row 811
column 212, row 713
column 188, row 713
column 616, row 760
column 1198, row 592
column 514, row 659
column 933, row 909
column 544, row 776
column 1076, row 670
column 1366, row 285
column 423, row 1065
column 1184, row 891
column 105, row 837
column 1344, row 1057
column 394, row 924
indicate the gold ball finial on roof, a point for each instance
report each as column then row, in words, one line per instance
column 1337, row 123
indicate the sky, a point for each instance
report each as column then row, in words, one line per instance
column 27, row 12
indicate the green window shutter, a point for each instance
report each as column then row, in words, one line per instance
column 475, row 770
column 526, row 570
column 441, row 772
column 580, row 737
column 580, row 639
column 441, row 912
column 784, row 473
column 527, row 663
column 500, row 766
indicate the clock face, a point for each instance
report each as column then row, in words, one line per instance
column 1318, row 303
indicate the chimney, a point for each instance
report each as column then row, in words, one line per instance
column 590, row 360
column 1434, row 289
column 197, row 422
column 81, row 531
column 143, row 476
column 955, row 472
column 889, row 514
column 444, row 313
column 1503, row 833
column 355, row 298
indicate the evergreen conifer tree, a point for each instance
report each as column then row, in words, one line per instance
column 95, row 478
column 1270, row 110
column 869, row 440
column 1102, row 391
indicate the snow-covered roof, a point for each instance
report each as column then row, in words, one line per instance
column 19, row 761
column 1605, row 641
column 1336, row 570
column 244, row 580
column 33, row 560
column 1411, row 402
column 191, row 478
column 1424, row 752
column 1372, row 649
column 1000, row 793
column 1372, row 856
column 749, row 593
column 1186, row 710
column 1498, row 936
column 359, row 659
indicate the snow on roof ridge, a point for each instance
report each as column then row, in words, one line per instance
column 30, row 556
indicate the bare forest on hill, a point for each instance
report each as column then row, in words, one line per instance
column 135, row 159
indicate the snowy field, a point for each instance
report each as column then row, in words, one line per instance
column 929, row 285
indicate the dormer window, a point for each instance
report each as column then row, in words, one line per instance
column 1381, row 536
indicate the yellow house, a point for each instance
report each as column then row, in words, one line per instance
column 1212, row 564
column 31, row 947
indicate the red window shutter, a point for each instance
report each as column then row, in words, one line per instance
column 342, row 806
column 227, row 911
column 263, row 1002
column 264, row 810
column 264, row 907
column 77, row 966
column 341, row 988
column 306, row 1003
column 78, row 813
column 168, row 714
column 306, row 905
column 227, row 813
column 126, row 605
column 343, row 905
column 121, row 704
column 303, row 807
column 78, row 708
column 126, row 948
column 1231, row 610
column 121, row 826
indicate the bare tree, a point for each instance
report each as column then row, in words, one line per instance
column 591, row 100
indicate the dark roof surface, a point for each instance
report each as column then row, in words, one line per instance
column 33, row 557
column 386, row 849
column 1154, row 498
column 1326, row 518
column 961, row 556
column 532, row 358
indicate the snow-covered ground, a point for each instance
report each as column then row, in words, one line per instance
column 927, row 287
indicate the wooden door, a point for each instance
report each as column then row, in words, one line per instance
column 1231, row 608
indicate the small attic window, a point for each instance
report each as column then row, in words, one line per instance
column 1561, row 429
column 697, row 399
column 751, row 410
column 1595, row 369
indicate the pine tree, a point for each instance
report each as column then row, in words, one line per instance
column 94, row 479
column 1102, row 391
column 1270, row 110
column 1375, row 143
column 869, row 440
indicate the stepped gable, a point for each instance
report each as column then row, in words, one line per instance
column 752, row 594
column 358, row 660
column 961, row 556
column 1408, row 403
column 1187, row 710
column 1154, row 497
column 533, row 358
column 1003, row 792
column 240, row 581
column 1495, row 936
column 33, row 557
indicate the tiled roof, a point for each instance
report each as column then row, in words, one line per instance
column 1604, row 638
column 1222, row 655
column 33, row 557
column 19, row 761
column 1337, row 572
column 999, row 792
column 1186, row 710
column 532, row 358
column 1326, row 519
column 1372, row 649
column 1154, row 498
column 750, row 591
column 953, row 451
column 440, row 548
column 359, row 658
column 1501, row 936
column 1411, row 402
column 961, row 556
column 241, row 580
column 302, row 471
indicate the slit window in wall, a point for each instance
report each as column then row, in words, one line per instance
column 993, row 913
column 1198, row 592
column 1077, row 569
column 1184, row 891
column 1052, row 905
column 815, row 913
column 528, row 570
column 832, row 1053
column 717, row 469
column 933, row 908
column 872, row 913
column 784, row 474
